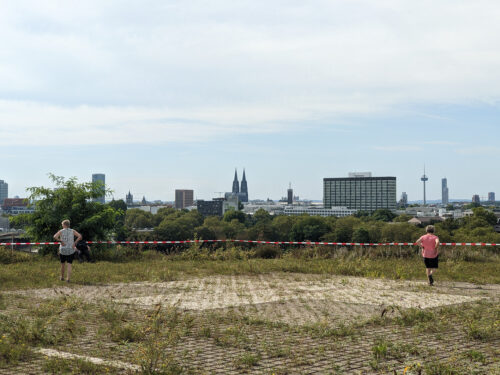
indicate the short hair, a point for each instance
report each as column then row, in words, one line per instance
column 65, row 223
column 430, row 228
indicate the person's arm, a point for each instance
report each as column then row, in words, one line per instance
column 437, row 246
column 419, row 242
column 78, row 238
column 57, row 237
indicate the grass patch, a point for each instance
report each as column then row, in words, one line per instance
column 76, row 366
column 44, row 271
column 246, row 361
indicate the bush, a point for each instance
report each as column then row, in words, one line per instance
column 8, row 256
column 268, row 252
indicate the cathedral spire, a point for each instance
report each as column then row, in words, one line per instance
column 244, row 188
column 236, row 184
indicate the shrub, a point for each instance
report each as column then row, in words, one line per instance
column 268, row 252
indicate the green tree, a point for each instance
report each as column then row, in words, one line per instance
column 361, row 235
column 68, row 200
column 383, row 215
column 136, row 218
column 230, row 215
column 310, row 228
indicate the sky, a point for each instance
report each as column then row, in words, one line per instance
column 166, row 94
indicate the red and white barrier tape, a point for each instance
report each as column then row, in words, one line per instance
column 256, row 242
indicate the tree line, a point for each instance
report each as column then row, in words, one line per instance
column 75, row 201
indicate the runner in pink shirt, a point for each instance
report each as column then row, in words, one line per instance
column 429, row 243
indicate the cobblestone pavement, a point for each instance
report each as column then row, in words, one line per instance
column 277, row 323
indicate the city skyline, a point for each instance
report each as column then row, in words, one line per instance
column 176, row 94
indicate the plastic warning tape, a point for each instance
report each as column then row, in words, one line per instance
column 256, row 242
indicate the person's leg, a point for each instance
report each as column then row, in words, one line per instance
column 69, row 271
column 62, row 270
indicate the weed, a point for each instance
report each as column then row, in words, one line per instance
column 162, row 334
column 128, row 332
column 56, row 366
column 3, row 302
column 247, row 360
column 12, row 352
column 413, row 316
column 379, row 350
column 475, row 331
column 475, row 356
column 79, row 366
column 441, row 368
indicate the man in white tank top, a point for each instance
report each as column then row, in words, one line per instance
column 67, row 247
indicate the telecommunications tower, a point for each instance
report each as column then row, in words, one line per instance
column 424, row 179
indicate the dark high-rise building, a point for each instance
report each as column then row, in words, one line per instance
column 360, row 193
column 4, row 191
column 289, row 193
column 444, row 191
column 491, row 197
column 236, row 183
column 100, row 178
column 476, row 199
column 129, row 198
column 183, row 198
column 244, row 189
column 215, row 207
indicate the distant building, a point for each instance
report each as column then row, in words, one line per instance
column 242, row 193
column 360, row 193
column 491, row 197
column 211, row 208
column 360, row 174
column 183, row 198
column 217, row 206
column 4, row 224
column 318, row 211
column 404, row 199
column 100, row 178
column 425, row 220
column 444, row 192
column 476, row 199
column 289, row 195
column 144, row 201
column 129, row 199
column 4, row 191
column 16, row 206
column 243, row 197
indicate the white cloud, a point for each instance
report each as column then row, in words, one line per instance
column 117, row 72
column 397, row 148
column 479, row 150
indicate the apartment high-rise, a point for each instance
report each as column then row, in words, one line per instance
column 360, row 193
column 445, row 199
column 4, row 191
column 183, row 198
column 491, row 197
column 476, row 199
column 100, row 179
column 289, row 199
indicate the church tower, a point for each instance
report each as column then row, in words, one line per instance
column 244, row 188
column 236, row 184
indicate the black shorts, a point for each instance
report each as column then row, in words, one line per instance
column 431, row 262
column 67, row 258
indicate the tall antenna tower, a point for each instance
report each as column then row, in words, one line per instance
column 424, row 179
